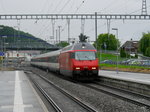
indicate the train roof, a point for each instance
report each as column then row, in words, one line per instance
column 53, row 53
column 83, row 45
column 79, row 46
column 76, row 46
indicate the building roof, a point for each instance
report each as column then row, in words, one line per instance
column 130, row 44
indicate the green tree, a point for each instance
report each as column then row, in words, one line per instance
column 144, row 43
column 147, row 52
column 62, row 44
column 107, row 41
column 123, row 54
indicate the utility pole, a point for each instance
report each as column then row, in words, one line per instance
column 59, row 32
column 18, row 24
column 108, row 30
column 82, row 25
column 116, row 29
column 130, row 47
column 108, row 26
column 68, row 21
column 96, row 29
column 56, row 36
column 53, row 28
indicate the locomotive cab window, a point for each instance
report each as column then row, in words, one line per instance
column 85, row 55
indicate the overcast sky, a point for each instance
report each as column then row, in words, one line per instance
column 43, row 28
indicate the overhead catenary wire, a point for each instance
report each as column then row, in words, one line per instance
column 46, row 26
column 44, row 6
column 109, row 5
column 43, row 29
column 72, row 5
column 79, row 6
column 133, row 4
column 118, row 5
column 66, row 23
column 92, row 29
column 64, row 6
column 59, row 3
column 43, row 22
column 74, row 13
column 138, row 10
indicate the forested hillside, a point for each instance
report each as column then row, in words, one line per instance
column 20, row 39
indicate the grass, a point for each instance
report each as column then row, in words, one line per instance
column 128, row 68
column 124, row 66
column 113, row 57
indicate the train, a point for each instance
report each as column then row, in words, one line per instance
column 78, row 61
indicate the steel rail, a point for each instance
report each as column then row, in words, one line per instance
column 118, row 95
column 88, row 108
column 124, row 90
column 48, row 98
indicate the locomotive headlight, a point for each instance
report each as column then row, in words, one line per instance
column 93, row 68
column 77, row 68
column 83, row 46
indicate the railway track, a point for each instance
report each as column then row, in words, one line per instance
column 129, row 96
column 83, row 107
column 48, row 98
column 136, row 98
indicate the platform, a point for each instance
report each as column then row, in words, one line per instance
column 17, row 93
column 141, row 78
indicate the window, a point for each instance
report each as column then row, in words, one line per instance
column 53, row 59
column 85, row 55
column 72, row 55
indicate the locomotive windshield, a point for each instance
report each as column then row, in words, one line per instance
column 85, row 55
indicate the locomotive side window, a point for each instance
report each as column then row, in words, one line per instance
column 53, row 59
column 72, row 55
column 85, row 55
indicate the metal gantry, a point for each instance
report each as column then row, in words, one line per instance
column 144, row 7
column 73, row 16
column 54, row 17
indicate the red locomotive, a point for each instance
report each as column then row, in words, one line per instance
column 78, row 61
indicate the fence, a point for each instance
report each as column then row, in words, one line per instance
column 130, row 63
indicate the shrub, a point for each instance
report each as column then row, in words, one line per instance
column 136, row 55
column 123, row 54
column 147, row 52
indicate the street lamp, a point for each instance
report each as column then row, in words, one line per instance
column 4, row 47
column 116, row 29
column 14, row 39
column 130, row 47
column 5, row 54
